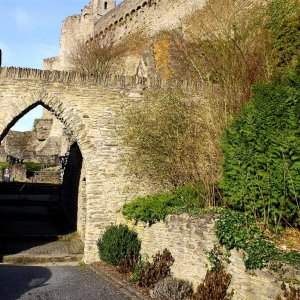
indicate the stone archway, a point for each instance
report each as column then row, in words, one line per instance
column 91, row 109
column 72, row 120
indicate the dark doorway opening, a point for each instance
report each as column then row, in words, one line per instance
column 38, row 218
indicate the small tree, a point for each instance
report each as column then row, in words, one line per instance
column 100, row 55
column 94, row 57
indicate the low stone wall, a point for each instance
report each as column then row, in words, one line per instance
column 186, row 237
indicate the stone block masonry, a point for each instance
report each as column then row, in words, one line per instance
column 117, row 23
column 186, row 237
column 91, row 109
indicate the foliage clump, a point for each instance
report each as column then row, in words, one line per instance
column 154, row 208
column 4, row 165
column 33, row 166
column 117, row 244
column 262, row 154
column 164, row 136
column 173, row 289
column 237, row 230
column 216, row 281
column 160, row 268
column 290, row 292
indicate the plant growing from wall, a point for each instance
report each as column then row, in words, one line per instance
column 119, row 244
column 98, row 56
column 237, row 230
column 151, row 209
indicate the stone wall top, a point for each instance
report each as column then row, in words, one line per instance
column 110, row 80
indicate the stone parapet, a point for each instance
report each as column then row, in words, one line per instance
column 119, row 81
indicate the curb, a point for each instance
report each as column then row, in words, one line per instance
column 127, row 288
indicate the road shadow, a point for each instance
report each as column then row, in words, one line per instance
column 18, row 280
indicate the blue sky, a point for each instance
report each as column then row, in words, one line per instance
column 29, row 32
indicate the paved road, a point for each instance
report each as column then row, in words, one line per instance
column 55, row 283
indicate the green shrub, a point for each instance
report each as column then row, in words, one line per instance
column 117, row 244
column 32, row 166
column 236, row 230
column 137, row 270
column 155, row 208
column 262, row 154
column 150, row 208
column 3, row 165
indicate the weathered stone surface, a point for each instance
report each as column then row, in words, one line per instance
column 187, row 237
column 71, row 97
column 116, row 23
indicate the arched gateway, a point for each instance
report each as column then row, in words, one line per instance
column 90, row 108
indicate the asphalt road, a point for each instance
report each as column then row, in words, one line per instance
column 55, row 283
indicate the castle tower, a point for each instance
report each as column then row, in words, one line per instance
column 101, row 7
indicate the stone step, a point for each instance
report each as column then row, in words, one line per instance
column 66, row 249
column 41, row 259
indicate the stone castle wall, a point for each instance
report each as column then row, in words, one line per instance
column 187, row 237
column 91, row 108
column 130, row 16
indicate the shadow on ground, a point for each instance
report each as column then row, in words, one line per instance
column 16, row 281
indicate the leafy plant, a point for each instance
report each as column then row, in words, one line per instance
column 150, row 208
column 216, row 257
column 262, row 153
column 157, row 270
column 216, row 281
column 236, row 230
column 32, row 166
column 3, row 165
column 119, row 244
column 173, row 289
column 155, row 208
column 214, row 286
column 137, row 270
